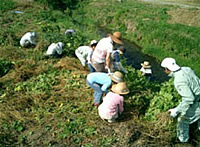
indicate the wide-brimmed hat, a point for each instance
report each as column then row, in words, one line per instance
column 116, row 37
column 93, row 42
column 170, row 63
column 146, row 64
column 120, row 88
column 117, row 77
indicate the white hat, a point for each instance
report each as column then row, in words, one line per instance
column 33, row 34
column 170, row 63
column 93, row 42
column 60, row 44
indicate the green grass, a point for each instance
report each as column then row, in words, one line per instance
column 147, row 25
column 46, row 102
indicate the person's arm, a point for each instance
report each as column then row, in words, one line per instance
column 108, row 56
column 121, row 108
column 32, row 40
column 89, row 56
column 59, row 49
column 187, row 97
column 106, row 86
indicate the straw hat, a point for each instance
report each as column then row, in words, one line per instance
column 146, row 64
column 116, row 37
column 170, row 63
column 116, row 77
column 120, row 88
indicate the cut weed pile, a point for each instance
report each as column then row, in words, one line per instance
column 46, row 102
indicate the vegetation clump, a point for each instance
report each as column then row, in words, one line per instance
column 46, row 102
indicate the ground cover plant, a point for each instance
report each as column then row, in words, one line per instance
column 46, row 102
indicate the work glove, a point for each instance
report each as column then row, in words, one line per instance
column 173, row 112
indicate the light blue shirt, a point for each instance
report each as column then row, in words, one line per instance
column 100, row 78
column 188, row 86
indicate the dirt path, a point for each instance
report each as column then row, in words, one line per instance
column 183, row 4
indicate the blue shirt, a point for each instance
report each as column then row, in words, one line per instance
column 116, row 57
column 100, row 78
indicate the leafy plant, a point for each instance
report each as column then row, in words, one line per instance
column 5, row 66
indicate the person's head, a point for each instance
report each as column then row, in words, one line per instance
column 117, row 77
column 120, row 88
column 169, row 64
column 60, row 44
column 121, row 50
column 34, row 34
column 146, row 65
column 116, row 37
column 93, row 44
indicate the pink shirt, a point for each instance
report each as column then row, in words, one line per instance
column 111, row 102
column 103, row 47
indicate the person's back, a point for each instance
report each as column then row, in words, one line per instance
column 186, row 75
column 103, row 47
column 70, row 32
column 84, row 50
column 112, row 101
column 28, row 39
column 100, row 78
column 55, row 49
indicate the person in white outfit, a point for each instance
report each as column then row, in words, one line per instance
column 28, row 39
column 55, row 50
column 70, row 32
column 84, row 54
column 146, row 70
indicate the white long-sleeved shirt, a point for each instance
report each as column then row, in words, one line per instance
column 26, row 39
column 85, row 52
column 53, row 49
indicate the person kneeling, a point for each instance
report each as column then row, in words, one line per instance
column 113, row 102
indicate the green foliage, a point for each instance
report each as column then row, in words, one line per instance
column 41, row 83
column 164, row 100
column 5, row 66
column 6, row 5
column 141, row 90
column 59, row 4
column 17, row 125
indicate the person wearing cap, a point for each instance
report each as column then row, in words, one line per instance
column 146, row 70
column 70, row 32
column 188, row 86
column 101, row 57
column 84, row 54
column 116, row 64
column 100, row 83
column 112, row 104
column 28, row 39
column 54, row 50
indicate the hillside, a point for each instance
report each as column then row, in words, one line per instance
column 46, row 102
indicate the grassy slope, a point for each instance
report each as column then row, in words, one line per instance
column 47, row 103
column 150, row 26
